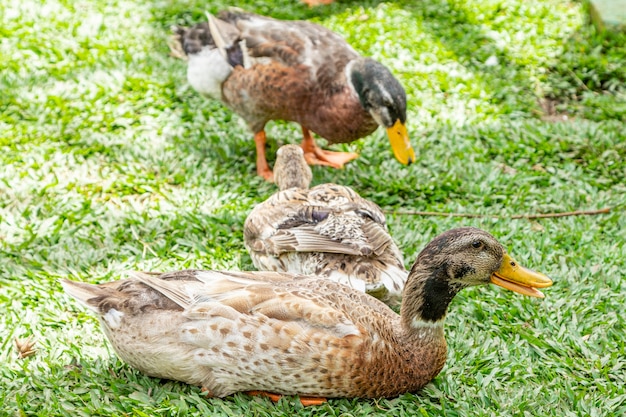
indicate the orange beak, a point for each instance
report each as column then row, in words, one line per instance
column 400, row 143
column 515, row 277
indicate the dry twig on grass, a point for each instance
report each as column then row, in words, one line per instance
column 496, row 216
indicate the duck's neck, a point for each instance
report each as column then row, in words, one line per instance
column 291, row 183
column 293, row 173
column 425, row 301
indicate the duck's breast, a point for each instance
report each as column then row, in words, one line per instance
column 207, row 71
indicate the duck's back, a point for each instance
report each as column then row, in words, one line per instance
column 291, row 42
column 327, row 231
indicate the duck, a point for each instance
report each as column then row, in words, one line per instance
column 329, row 231
column 267, row 69
column 287, row 334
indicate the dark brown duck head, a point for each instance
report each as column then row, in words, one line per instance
column 457, row 259
column 382, row 95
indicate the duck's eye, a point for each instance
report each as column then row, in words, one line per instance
column 477, row 244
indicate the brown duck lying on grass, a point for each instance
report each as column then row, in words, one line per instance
column 328, row 231
column 293, row 334
column 266, row 69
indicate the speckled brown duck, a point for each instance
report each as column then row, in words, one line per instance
column 328, row 231
column 266, row 69
column 290, row 334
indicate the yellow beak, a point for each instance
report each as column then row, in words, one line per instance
column 399, row 138
column 515, row 277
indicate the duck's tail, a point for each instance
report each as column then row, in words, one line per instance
column 216, row 34
column 83, row 292
column 176, row 42
column 227, row 40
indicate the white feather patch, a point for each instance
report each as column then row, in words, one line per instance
column 344, row 330
column 348, row 75
column 418, row 323
column 394, row 279
column 356, row 283
column 207, row 71
column 113, row 318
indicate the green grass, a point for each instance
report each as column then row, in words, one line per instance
column 111, row 162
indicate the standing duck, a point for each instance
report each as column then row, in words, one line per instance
column 266, row 69
column 328, row 231
column 291, row 334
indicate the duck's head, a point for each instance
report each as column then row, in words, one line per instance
column 291, row 169
column 457, row 259
column 384, row 98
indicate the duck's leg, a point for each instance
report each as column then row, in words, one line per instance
column 315, row 155
column 262, row 168
column 305, row 401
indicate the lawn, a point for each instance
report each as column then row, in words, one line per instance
column 111, row 162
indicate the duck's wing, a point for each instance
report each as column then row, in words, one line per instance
column 295, row 227
column 336, row 219
column 291, row 43
column 207, row 295
column 280, row 296
column 321, row 229
column 328, row 218
column 340, row 196
column 125, row 295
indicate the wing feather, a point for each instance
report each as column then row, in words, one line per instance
column 308, row 239
column 227, row 294
column 291, row 43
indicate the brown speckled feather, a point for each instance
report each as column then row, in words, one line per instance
column 292, row 334
column 338, row 118
column 328, row 231
column 334, row 219
column 241, row 331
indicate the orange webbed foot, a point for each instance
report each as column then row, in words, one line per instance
column 314, row 155
column 305, row 401
column 267, row 174
column 329, row 158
